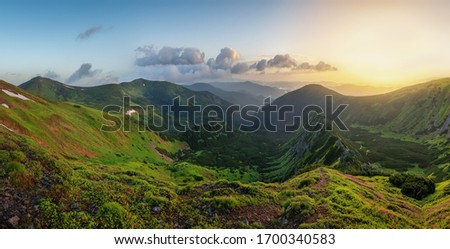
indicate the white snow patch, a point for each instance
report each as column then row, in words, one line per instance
column 15, row 95
column 66, row 86
column 6, row 127
column 6, row 106
column 130, row 112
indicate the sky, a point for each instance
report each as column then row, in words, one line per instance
column 380, row 43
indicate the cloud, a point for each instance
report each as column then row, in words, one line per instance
column 51, row 75
column 282, row 61
column 89, row 32
column 261, row 65
column 322, row 66
column 288, row 62
column 225, row 60
column 179, row 64
column 240, row 68
column 180, row 73
column 83, row 72
column 169, row 56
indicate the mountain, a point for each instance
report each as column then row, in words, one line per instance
column 59, row 170
column 360, row 90
column 234, row 97
column 251, row 88
column 404, row 130
column 142, row 92
column 306, row 149
column 416, row 110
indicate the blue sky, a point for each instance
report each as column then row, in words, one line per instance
column 370, row 43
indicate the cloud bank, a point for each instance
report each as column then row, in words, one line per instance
column 188, row 64
column 286, row 61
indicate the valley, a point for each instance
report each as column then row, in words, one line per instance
column 58, row 170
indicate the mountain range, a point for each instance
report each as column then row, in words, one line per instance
column 59, row 170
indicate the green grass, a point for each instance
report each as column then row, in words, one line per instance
column 58, row 171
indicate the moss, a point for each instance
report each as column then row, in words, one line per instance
column 223, row 203
column 112, row 215
column 15, row 168
column 299, row 209
column 4, row 156
column 156, row 201
column 18, row 156
column 306, row 182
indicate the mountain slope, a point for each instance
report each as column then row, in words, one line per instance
column 240, row 98
column 71, row 130
column 58, row 170
column 142, row 92
column 251, row 88
column 306, row 149
column 421, row 109
column 405, row 130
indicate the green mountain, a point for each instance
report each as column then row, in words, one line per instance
column 234, row 97
column 405, row 130
column 59, row 170
column 142, row 92
column 306, row 149
column 417, row 110
column 249, row 87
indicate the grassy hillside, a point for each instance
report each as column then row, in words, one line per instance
column 58, row 170
column 234, row 97
column 142, row 92
column 405, row 130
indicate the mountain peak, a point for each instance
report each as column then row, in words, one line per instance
column 317, row 88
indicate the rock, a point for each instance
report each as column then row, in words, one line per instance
column 14, row 221
column 74, row 205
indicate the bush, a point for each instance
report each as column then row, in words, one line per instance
column 14, row 168
column 224, row 203
column 156, row 201
column 50, row 212
column 299, row 209
column 184, row 189
column 4, row 156
column 18, row 156
column 112, row 215
column 306, row 183
column 413, row 186
column 398, row 179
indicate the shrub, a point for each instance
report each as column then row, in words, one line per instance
column 155, row 201
column 112, row 215
column 4, row 156
column 398, row 179
column 306, row 183
column 184, row 189
column 413, row 186
column 50, row 212
column 224, row 203
column 15, row 168
column 299, row 209
column 18, row 175
column 18, row 156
